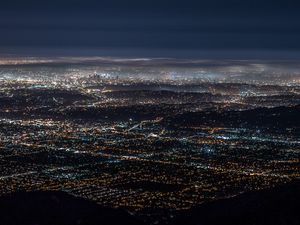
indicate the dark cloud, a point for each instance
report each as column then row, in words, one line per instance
column 232, row 24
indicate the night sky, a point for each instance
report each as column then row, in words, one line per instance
column 156, row 24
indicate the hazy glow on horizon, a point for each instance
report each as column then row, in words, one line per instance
column 248, row 71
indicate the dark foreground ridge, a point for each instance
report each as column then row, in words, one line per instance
column 277, row 206
column 58, row 208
